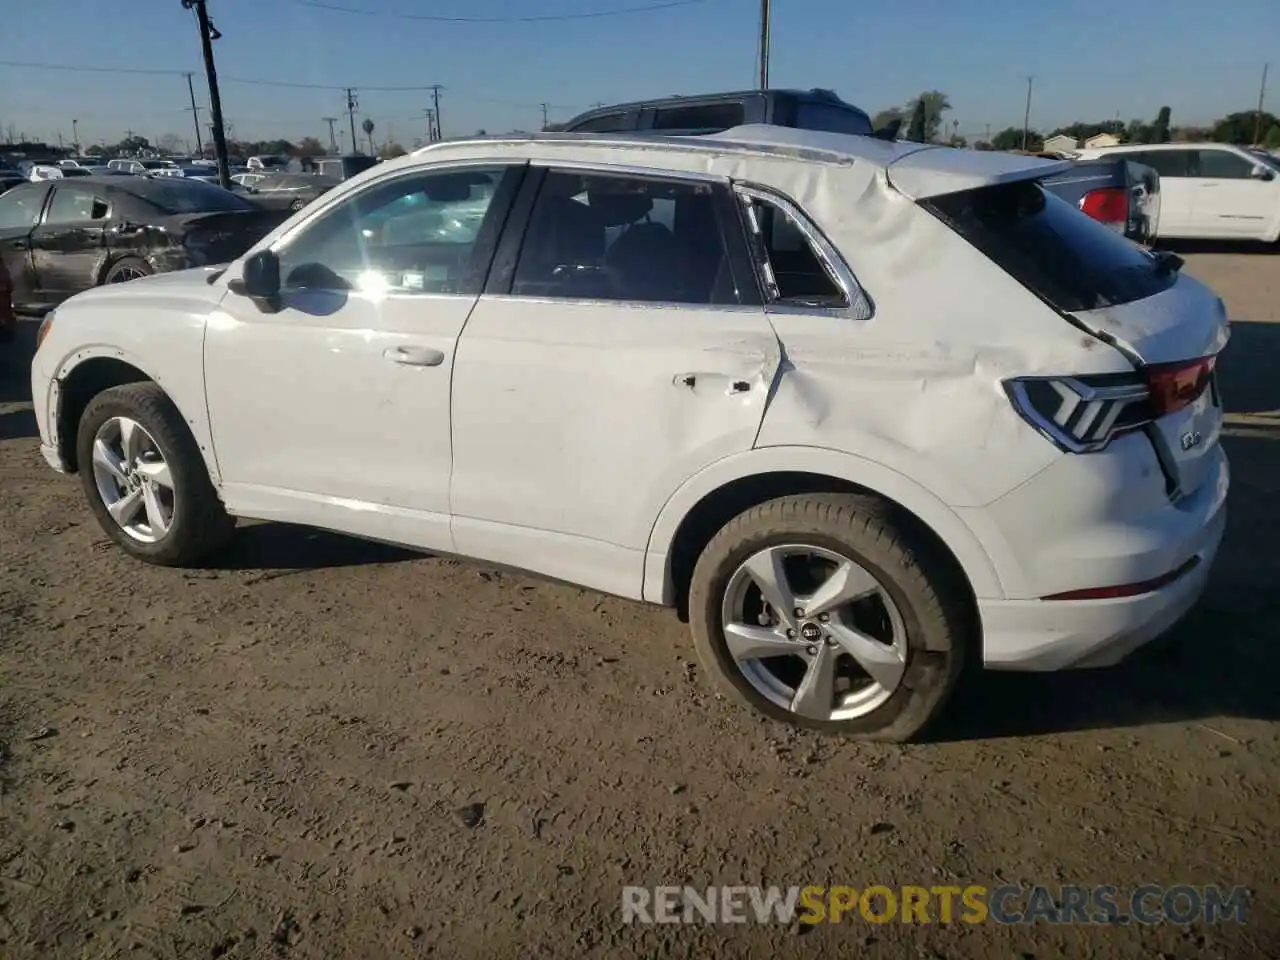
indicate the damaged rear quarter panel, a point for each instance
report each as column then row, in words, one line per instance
column 918, row 387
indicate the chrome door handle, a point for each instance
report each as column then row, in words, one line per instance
column 414, row 356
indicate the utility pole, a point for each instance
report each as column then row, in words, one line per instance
column 75, row 135
column 195, row 113
column 544, row 116
column 1026, row 116
column 60, row 140
column 208, row 34
column 333, row 142
column 1262, row 95
column 431, row 126
column 352, row 105
column 988, row 136
column 435, row 105
column 764, row 44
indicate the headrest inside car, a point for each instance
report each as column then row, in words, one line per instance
column 616, row 209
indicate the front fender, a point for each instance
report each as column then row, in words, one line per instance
column 983, row 554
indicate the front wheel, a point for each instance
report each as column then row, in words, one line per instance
column 145, row 479
column 826, row 612
column 297, row 205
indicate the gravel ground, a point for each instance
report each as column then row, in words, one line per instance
column 325, row 748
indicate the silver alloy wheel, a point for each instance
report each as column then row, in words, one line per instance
column 133, row 479
column 814, row 632
column 126, row 273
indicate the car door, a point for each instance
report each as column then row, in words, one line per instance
column 68, row 244
column 334, row 409
column 1176, row 191
column 1229, row 201
column 615, row 353
column 20, row 210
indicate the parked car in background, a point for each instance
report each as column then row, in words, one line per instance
column 715, row 112
column 246, row 178
column 290, row 191
column 1211, row 191
column 1116, row 191
column 141, row 166
column 48, row 171
column 10, row 179
column 61, row 237
column 340, row 168
column 985, row 427
column 267, row 163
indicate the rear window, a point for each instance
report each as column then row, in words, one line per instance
column 608, row 123
column 707, row 117
column 1063, row 256
column 181, row 195
column 811, row 115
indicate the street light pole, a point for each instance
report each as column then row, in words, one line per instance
column 1262, row 96
column 195, row 115
column 764, row 44
column 1026, row 116
column 208, row 33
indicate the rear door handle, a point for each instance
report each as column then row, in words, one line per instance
column 414, row 356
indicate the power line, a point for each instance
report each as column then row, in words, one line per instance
column 541, row 18
column 75, row 68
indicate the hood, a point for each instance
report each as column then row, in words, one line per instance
column 936, row 171
column 178, row 284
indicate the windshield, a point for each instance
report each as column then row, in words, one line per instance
column 1267, row 159
column 181, row 195
column 1065, row 257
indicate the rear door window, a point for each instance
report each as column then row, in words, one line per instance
column 609, row 123
column 1067, row 259
column 700, row 118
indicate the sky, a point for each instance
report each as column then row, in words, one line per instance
column 282, row 62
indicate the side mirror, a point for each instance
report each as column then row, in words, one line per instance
column 1262, row 172
column 260, row 281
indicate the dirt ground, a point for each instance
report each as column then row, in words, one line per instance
column 322, row 748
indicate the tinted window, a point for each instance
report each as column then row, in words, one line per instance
column 1167, row 163
column 1063, row 256
column 180, row 195
column 1223, row 164
column 609, row 123
column 624, row 238
column 21, row 207
column 75, row 205
column 74, row 172
column 413, row 235
column 707, row 117
column 791, row 269
column 811, row 115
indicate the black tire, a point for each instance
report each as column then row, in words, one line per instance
column 927, row 590
column 126, row 268
column 297, row 205
column 200, row 524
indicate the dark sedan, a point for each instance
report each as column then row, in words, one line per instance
column 290, row 192
column 60, row 237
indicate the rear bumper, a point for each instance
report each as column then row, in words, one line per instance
column 1060, row 634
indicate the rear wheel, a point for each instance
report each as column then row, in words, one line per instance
column 145, row 479
column 297, row 205
column 130, row 268
column 824, row 612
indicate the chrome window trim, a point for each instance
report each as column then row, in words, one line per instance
column 857, row 304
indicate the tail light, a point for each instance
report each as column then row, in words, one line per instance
column 1109, row 205
column 1083, row 414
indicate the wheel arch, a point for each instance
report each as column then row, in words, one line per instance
column 711, row 498
column 86, row 374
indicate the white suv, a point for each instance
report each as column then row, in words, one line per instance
column 861, row 410
column 1212, row 191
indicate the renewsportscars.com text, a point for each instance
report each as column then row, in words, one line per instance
column 1008, row 904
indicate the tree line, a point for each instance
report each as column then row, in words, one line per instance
column 923, row 122
column 172, row 145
